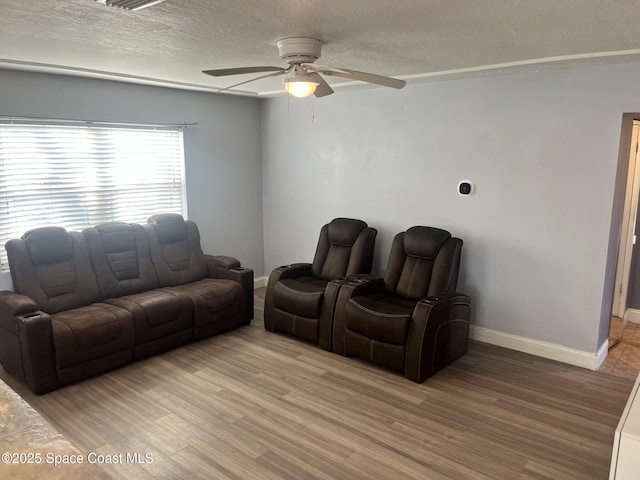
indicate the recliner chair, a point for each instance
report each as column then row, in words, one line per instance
column 411, row 320
column 296, row 301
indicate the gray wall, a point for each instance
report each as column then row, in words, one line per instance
column 222, row 152
column 542, row 149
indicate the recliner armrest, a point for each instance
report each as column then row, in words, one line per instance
column 284, row 271
column 348, row 288
column 439, row 334
column 330, row 299
column 292, row 270
column 363, row 282
column 26, row 342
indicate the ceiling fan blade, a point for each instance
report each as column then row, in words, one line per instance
column 317, row 67
column 366, row 77
column 252, row 80
column 223, row 72
column 323, row 89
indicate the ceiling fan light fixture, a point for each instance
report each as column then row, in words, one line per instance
column 300, row 89
column 130, row 4
column 300, row 85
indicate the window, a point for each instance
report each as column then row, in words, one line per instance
column 75, row 176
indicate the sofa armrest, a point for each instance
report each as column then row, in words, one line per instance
column 16, row 304
column 216, row 262
column 439, row 334
column 26, row 342
column 221, row 266
column 348, row 288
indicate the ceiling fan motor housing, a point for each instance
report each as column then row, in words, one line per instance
column 297, row 50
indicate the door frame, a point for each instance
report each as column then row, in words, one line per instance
column 627, row 230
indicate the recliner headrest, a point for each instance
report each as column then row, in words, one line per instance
column 117, row 237
column 345, row 231
column 48, row 245
column 170, row 227
column 424, row 242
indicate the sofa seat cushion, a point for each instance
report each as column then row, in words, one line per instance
column 214, row 300
column 91, row 332
column 301, row 296
column 156, row 313
column 382, row 318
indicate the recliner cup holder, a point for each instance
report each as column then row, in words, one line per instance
column 432, row 299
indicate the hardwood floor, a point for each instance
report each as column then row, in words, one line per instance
column 251, row 404
column 624, row 358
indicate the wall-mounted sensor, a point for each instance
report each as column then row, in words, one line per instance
column 465, row 187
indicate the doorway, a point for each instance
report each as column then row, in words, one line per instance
column 624, row 353
column 619, row 310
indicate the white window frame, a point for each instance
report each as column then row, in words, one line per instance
column 80, row 174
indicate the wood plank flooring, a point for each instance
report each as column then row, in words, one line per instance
column 251, row 404
column 623, row 359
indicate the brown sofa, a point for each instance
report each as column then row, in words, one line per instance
column 89, row 301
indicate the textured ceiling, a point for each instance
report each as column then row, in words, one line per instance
column 418, row 40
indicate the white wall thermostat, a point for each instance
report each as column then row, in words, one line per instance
column 465, row 187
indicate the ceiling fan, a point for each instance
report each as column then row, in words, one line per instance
column 304, row 77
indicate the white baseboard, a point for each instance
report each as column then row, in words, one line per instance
column 551, row 351
column 632, row 315
column 548, row 350
column 260, row 282
column 601, row 354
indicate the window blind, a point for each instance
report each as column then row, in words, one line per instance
column 75, row 176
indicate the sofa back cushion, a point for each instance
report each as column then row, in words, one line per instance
column 121, row 258
column 175, row 249
column 52, row 266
